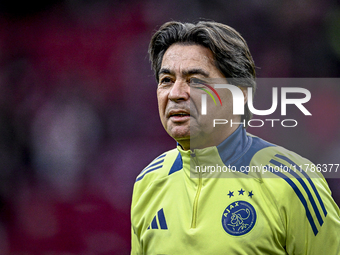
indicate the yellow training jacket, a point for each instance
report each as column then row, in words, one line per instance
column 244, row 196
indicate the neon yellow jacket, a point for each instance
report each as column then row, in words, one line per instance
column 202, row 202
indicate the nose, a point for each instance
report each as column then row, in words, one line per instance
column 180, row 91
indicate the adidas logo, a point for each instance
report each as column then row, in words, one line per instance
column 159, row 221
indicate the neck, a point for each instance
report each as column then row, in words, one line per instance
column 204, row 141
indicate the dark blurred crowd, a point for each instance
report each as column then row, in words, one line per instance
column 78, row 108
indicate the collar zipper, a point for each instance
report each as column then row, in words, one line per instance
column 198, row 192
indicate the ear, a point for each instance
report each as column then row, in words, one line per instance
column 245, row 93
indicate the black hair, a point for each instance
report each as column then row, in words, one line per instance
column 231, row 53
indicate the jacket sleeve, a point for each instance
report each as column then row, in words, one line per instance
column 135, row 246
column 313, row 219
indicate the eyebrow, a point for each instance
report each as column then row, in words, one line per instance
column 164, row 71
column 196, row 71
column 187, row 72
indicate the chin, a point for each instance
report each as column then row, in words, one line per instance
column 179, row 132
column 179, row 137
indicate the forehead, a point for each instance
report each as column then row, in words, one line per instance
column 179, row 56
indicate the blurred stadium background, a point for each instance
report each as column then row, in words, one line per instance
column 78, row 109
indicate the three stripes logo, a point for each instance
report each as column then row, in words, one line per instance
column 304, row 184
column 158, row 222
column 154, row 165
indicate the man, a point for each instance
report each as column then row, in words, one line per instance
column 180, row 207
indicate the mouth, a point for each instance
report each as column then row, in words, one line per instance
column 179, row 115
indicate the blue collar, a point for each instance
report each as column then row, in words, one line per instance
column 237, row 150
column 235, row 146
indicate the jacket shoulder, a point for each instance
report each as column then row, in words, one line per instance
column 267, row 153
column 163, row 165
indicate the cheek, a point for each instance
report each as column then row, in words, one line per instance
column 195, row 102
column 227, row 104
column 162, row 99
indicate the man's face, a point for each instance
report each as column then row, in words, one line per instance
column 180, row 105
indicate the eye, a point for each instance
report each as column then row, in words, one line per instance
column 195, row 82
column 165, row 80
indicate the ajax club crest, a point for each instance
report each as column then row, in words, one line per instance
column 238, row 218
